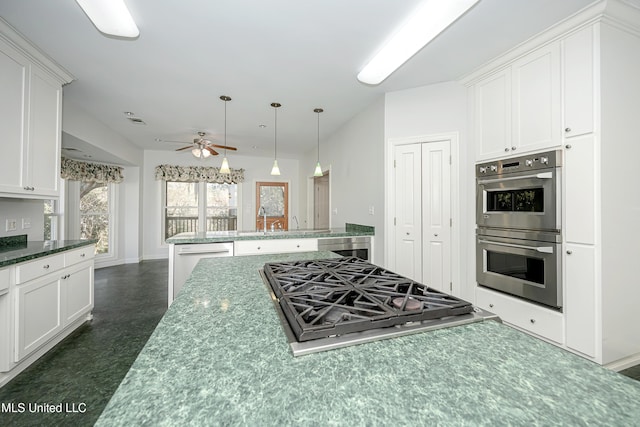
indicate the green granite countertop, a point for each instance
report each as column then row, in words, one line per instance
column 229, row 236
column 17, row 253
column 220, row 357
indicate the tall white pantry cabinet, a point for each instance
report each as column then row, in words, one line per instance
column 583, row 97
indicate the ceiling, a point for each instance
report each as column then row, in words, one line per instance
column 302, row 54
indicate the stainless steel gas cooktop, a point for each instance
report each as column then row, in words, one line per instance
column 333, row 303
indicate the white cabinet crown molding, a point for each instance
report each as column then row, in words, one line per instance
column 33, row 53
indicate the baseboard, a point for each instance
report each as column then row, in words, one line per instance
column 154, row 257
column 133, row 260
column 624, row 363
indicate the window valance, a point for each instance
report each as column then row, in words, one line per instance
column 198, row 174
column 90, row 172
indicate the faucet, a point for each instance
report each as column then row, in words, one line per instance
column 296, row 220
column 273, row 225
column 262, row 211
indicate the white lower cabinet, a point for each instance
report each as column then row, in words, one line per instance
column 255, row 247
column 580, row 307
column 77, row 293
column 38, row 315
column 5, row 320
column 532, row 318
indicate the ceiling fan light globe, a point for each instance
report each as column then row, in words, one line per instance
column 275, row 170
column 224, row 168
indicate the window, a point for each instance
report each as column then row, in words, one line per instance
column 95, row 214
column 51, row 220
column 195, row 206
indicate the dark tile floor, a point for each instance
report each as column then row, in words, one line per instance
column 87, row 367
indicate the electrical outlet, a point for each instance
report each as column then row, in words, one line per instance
column 335, row 211
column 12, row 225
column 26, row 223
column 371, row 210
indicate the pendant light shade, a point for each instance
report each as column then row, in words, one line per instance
column 318, row 171
column 224, row 168
column 275, row 170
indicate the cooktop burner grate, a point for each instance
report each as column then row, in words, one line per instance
column 323, row 298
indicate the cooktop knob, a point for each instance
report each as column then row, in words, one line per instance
column 493, row 168
column 528, row 162
column 544, row 160
column 483, row 169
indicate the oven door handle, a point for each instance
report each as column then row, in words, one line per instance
column 541, row 249
column 543, row 175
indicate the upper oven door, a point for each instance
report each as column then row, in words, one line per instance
column 527, row 200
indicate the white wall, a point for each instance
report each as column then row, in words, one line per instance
column 354, row 155
column 437, row 109
column 256, row 169
column 22, row 208
column 79, row 124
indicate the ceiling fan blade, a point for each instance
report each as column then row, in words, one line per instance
column 211, row 150
column 184, row 148
column 224, row 147
column 176, row 142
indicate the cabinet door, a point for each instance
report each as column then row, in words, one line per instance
column 493, row 115
column 38, row 316
column 580, row 305
column 77, row 292
column 578, row 82
column 536, row 100
column 13, row 87
column 580, row 189
column 45, row 105
column 6, row 344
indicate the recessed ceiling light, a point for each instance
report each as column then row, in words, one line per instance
column 262, row 126
column 129, row 113
column 88, row 156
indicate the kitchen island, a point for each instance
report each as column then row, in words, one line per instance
column 219, row 356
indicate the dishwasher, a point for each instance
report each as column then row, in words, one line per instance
column 185, row 257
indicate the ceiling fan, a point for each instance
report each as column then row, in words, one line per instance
column 202, row 147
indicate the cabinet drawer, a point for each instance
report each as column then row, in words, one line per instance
column 4, row 280
column 253, row 247
column 529, row 317
column 78, row 255
column 39, row 267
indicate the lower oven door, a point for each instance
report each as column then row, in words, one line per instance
column 530, row 269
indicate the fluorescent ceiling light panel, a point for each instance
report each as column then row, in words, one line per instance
column 110, row 17
column 423, row 26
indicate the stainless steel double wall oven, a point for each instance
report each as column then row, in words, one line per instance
column 519, row 219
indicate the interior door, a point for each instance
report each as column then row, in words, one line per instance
column 436, row 215
column 274, row 198
column 408, row 211
column 321, row 202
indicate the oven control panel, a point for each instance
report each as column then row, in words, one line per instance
column 547, row 160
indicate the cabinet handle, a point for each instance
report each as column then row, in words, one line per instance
column 46, row 266
column 297, row 246
column 66, row 276
column 82, row 255
column 506, row 150
column 258, row 247
column 532, row 321
column 567, row 129
column 514, row 148
column 569, row 252
column 568, row 146
column 490, row 305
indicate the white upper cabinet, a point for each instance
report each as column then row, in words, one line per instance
column 493, row 114
column 536, row 100
column 517, row 108
column 14, row 69
column 30, row 118
column 578, row 82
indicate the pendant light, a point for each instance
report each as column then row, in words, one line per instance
column 275, row 170
column 318, row 171
column 224, row 168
